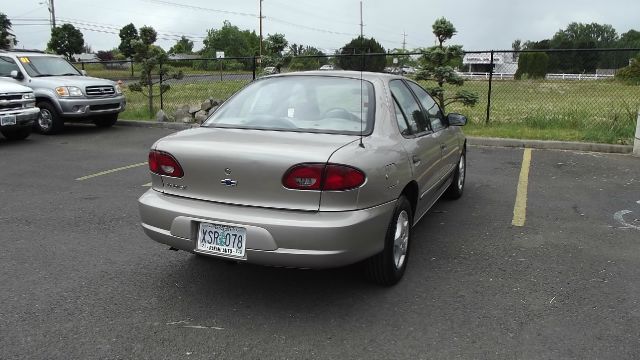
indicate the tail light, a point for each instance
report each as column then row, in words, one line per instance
column 163, row 163
column 323, row 177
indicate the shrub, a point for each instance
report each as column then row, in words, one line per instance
column 532, row 66
column 631, row 73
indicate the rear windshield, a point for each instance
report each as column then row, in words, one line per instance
column 301, row 103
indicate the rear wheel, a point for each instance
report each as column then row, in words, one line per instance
column 49, row 121
column 456, row 188
column 17, row 134
column 388, row 267
column 106, row 121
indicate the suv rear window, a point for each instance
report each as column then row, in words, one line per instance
column 321, row 104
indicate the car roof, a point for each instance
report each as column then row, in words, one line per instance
column 365, row 75
column 27, row 54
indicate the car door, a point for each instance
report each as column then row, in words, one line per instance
column 449, row 145
column 420, row 143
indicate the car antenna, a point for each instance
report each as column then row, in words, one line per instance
column 361, row 80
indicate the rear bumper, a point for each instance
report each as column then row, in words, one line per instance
column 78, row 108
column 274, row 237
column 24, row 117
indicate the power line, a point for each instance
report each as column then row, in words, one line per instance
column 193, row 7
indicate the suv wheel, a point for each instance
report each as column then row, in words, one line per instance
column 17, row 134
column 49, row 122
column 106, row 121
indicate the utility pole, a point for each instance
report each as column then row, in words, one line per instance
column 404, row 40
column 261, row 17
column 52, row 13
column 361, row 23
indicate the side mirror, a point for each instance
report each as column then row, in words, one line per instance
column 83, row 72
column 455, row 119
column 16, row 74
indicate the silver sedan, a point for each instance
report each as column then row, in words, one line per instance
column 308, row 170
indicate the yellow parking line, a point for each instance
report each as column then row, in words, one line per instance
column 520, row 207
column 110, row 171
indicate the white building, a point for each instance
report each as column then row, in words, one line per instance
column 481, row 63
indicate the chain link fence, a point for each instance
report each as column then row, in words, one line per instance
column 531, row 93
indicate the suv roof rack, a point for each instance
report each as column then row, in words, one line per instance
column 23, row 50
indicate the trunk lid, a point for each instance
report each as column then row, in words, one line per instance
column 245, row 167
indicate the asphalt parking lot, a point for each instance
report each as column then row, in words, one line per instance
column 80, row 280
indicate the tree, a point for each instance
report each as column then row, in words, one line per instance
column 151, row 57
column 5, row 33
column 275, row 44
column 516, row 46
column 86, row 49
column 128, row 34
column 438, row 64
column 532, row 66
column 66, row 40
column 362, row 46
column 296, row 49
column 309, row 58
column 630, row 39
column 230, row 39
column 182, row 46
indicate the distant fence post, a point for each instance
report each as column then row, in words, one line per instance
column 160, row 88
column 253, row 67
column 132, row 75
column 636, row 140
column 489, row 93
column 82, row 65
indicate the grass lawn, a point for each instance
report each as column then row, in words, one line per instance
column 178, row 95
column 594, row 111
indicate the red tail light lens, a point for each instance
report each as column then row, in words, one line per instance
column 323, row 177
column 163, row 163
column 340, row 178
column 304, row 177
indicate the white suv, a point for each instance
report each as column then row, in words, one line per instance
column 17, row 110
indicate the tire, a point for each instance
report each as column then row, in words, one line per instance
column 106, row 121
column 49, row 121
column 388, row 267
column 456, row 188
column 17, row 134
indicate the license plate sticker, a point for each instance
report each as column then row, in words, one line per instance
column 222, row 240
column 7, row 120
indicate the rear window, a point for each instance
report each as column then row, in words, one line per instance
column 301, row 103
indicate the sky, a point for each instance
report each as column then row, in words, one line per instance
column 326, row 24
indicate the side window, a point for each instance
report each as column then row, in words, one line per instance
column 403, row 124
column 409, row 107
column 7, row 65
column 434, row 114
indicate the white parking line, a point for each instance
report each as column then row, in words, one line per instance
column 111, row 171
column 520, row 207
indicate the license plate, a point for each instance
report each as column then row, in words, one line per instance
column 222, row 239
column 7, row 120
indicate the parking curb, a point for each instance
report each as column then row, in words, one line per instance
column 156, row 124
column 550, row 145
column 472, row 140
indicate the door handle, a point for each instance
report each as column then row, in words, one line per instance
column 416, row 160
column 443, row 146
